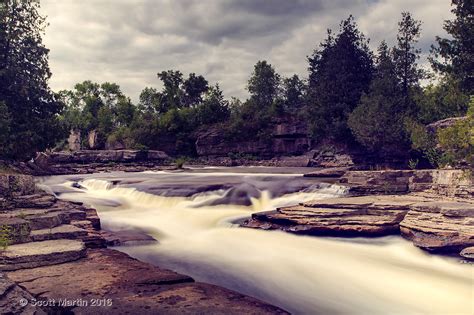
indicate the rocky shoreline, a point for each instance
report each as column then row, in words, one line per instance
column 432, row 208
column 55, row 260
column 56, row 256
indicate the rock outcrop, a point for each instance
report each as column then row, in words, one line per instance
column 14, row 300
column 288, row 137
column 125, row 285
column 432, row 208
column 377, row 182
column 351, row 216
column 89, row 161
column 54, row 255
column 440, row 225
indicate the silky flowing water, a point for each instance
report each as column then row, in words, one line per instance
column 193, row 213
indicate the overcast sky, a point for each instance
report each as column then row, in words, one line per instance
column 128, row 41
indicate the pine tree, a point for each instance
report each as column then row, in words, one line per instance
column 457, row 53
column 405, row 56
column 24, row 75
column 339, row 73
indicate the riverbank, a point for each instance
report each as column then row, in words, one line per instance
column 55, row 260
column 432, row 208
column 157, row 199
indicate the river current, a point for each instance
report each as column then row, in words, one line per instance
column 193, row 216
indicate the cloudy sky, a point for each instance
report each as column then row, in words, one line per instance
column 129, row 41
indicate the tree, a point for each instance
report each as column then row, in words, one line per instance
column 214, row 109
column 377, row 122
column 457, row 141
column 455, row 56
column 5, row 121
column 294, row 90
column 194, row 87
column 172, row 95
column 24, row 73
column 340, row 71
column 263, row 85
column 405, row 56
column 441, row 101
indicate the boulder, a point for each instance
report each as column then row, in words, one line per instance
column 468, row 253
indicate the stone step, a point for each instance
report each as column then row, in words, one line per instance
column 36, row 254
column 40, row 201
column 65, row 231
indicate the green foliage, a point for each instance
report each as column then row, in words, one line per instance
column 6, row 236
column 441, row 101
column 454, row 55
column 263, row 85
column 340, row 72
column 424, row 142
column 377, row 122
column 31, row 108
column 457, row 141
column 405, row 56
column 179, row 162
column 413, row 163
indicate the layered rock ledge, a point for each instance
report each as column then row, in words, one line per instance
column 432, row 208
column 54, row 260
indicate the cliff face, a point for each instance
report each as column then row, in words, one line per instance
column 288, row 137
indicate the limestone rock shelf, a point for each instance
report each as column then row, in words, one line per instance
column 56, row 250
column 439, row 226
column 132, row 287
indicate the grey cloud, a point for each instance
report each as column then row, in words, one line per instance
column 128, row 42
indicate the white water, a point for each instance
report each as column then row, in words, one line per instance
column 304, row 275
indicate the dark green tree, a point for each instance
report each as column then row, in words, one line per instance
column 377, row 122
column 263, row 85
column 455, row 56
column 294, row 90
column 173, row 94
column 194, row 86
column 214, row 109
column 405, row 56
column 24, row 74
column 340, row 71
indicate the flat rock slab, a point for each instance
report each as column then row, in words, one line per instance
column 65, row 231
column 133, row 287
column 440, row 226
column 382, row 202
column 328, row 172
column 351, row 216
column 34, row 254
column 11, row 297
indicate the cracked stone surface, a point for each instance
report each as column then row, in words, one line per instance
column 134, row 286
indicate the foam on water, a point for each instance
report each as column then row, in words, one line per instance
column 304, row 275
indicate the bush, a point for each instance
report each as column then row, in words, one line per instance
column 457, row 141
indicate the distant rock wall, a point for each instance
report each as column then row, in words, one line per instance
column 287, row 138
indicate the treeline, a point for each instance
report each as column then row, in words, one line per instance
column 352, row 95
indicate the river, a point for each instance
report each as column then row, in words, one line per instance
column 192, row 214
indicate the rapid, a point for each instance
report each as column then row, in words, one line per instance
column 193, row 216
